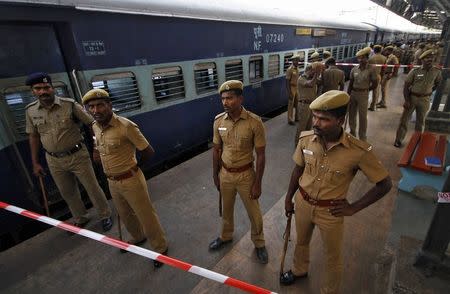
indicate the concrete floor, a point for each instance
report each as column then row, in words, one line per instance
column 187, row 203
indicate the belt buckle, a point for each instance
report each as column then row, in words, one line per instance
column 313, row 201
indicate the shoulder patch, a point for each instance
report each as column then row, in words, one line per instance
column 219, row 115
column 306, row 133
column 361, row 144
column 31, row 104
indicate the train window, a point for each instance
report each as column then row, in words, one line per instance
column 301, row 63
column 122, row 88
column 310, row 52
column 355, row 50
column 287, row 61
column 320, row 51
column 233, row 70
column 334, row 53
column 18, row 97
column 274, row 65
column 341, row 53
column 256, row 68
column 346, row 51
column 168, row 83
column 205, row 75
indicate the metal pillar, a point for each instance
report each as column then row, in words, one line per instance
column 445, row 73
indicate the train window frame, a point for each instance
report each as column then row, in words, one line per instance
column 334, row 53
column 274, row 64
column 287, row 61
column 234, row 66
column 17, row 114
column 255, row 62
column 167, row 85
column 355, row 50
column 320, row 51
column 346, row 51
column 301, row 62
column 122, row 102
column 210, row 79
column 340, row 53
column 310, row 52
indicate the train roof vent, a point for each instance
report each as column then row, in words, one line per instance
column 122, row 88
column 168, row 83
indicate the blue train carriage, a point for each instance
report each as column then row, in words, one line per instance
column 162, row 65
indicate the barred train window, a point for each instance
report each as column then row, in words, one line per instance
column 122, row 88
column 18, row 97
column 301, row 62
column 256, row 68
column 310, row 52
column 346, row 51
column 205, row 76
column 168, row 83
column 320, row 51
column 341, row 53
column 334, row 53
column 233, row 70
column 274, row 65
column 287, row 61
column 355, row 49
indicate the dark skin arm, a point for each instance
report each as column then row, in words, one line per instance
column 373, row 84
column 293, row 187
column 313, row 81
column 217, row 149
column 376, row 193
column 406, row 95
column 260, row 165
column 146, row 154
column 34, row 140
column 350, row 86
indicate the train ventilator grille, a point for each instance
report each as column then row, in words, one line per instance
column 122, row 88
column 205, row 76
column 17, row 98
column 274, row 65
column 234, row 70
column 168, row 83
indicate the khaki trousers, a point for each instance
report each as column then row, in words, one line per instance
column 293, row 106
column 376, row 93
column 242, row 182
column 137, row 212
column 384, row 86
column 358, row 106
column 421, row 105
column 304, row 120
column 331, row 231
column 65, row 171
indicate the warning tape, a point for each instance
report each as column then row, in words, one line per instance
column 138, row 250
column 388, row 65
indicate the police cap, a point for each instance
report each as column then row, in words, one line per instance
column 389, row 48
column 426, row 53
column 330, row 100
column 37, row 78
column 315, row 55
column 296, row 56
column 364, row 51
column 95, row 94
column 378, row 46
column 326, row 53
column 231, row 85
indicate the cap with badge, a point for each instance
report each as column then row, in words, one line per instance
column 426, row 53
column 231, row 85
column 364, row 51
column 330, row 100
column 377, row 46
column 295, row 56
column 37, row 78
column 326, row 54
column 389, row 47
column 94, row 94
column 315, row 55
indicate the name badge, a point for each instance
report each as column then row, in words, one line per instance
column 222, row 129
column 306, row 151
column 420, row 75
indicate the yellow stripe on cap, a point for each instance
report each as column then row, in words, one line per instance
column 330, row 100
column 94, row 94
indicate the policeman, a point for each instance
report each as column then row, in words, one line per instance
column 419, row 85
column 418, row 53
column 314, row 57
column 116, row 140
column 363, row 78
column 326, row 56
column 306, row 92
column 377, row 58
column 54, row 122
column 333, row 78
column 237, row 132
column 326, row 161
column 392, row 59
column 292, row 74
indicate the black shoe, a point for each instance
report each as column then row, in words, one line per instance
column 262, row 255
column 107, row 224
column 381, row 106
column 218, row 244
column 288, row 278
column 158, row 264
column 371, row 109
column 291, row 123
column 397, row 144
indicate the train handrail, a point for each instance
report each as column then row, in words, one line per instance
column 77, row 83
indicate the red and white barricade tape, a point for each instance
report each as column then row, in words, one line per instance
column 138, row 250
column 387, row 65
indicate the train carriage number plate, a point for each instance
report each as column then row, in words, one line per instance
column 94, row 48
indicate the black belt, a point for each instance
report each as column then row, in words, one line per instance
column 304, row 101
column 66, row 153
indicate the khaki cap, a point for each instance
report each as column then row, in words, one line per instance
column 330, row 100
column 295, row 56
column 315, row 55
column 389, row 48
column 326, row 53
column 94, row 94
column 377, row 46
column 426, row 53
column 231, row 85
column 364, row 51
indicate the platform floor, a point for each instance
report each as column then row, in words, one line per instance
column 187, row 203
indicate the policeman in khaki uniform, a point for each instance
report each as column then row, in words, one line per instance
column 237, row 132
column 116, row 139
column 306, row 92
column 292, row 74
column 392, row 59
column 363, row 78
column 419, row 85
column 377, row 58
column 333, row 78
column 326, row 160
column 54, row 122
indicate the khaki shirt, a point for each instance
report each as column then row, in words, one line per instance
column 306, row 93
column 332, row 77
column 238, row 138
column 392, row 59
column 362, row 79
column 377, row 59
column 423, row 81
column 117, row 144
column 327, row 174
column 57, row 127
column 292, row 74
